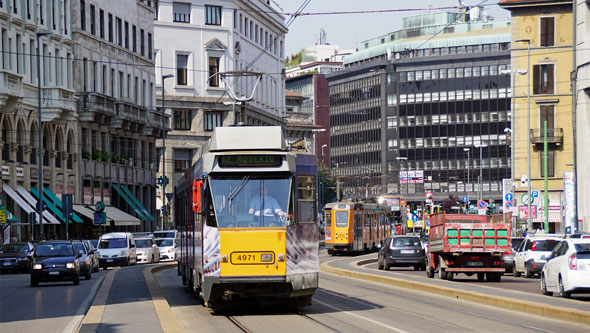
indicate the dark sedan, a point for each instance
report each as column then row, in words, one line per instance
column 404, row 251
column 508, row 258
column 55, row 261
column 14, row 257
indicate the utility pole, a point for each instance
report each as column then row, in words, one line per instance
column 468, row 171
column 528, row 141
column 165, row 179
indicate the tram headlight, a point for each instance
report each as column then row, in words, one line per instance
column 266, row 257
column 281, row 257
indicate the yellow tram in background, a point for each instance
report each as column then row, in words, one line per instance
column 356, row 227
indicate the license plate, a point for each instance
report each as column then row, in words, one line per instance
column 248, row 258
column 407, row 251
column 53, row 273
column 109, row 260
column 475, row 264
column 6, row 264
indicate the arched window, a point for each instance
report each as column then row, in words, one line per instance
column 58, row 147
column 6, row 128
column 46, row 146
column 20, row 138
column 70, row 150
column 34, row 143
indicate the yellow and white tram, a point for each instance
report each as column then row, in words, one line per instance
column 247, row 215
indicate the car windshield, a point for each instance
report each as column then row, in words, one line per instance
column 80, row 249
column 143, row 243
column 112, row 243
column 545, row 245
column 405, row 241
column 341, row 219
column 516, row 243
column 54, row 250
column 164, row 234
column 249, row 201
column 583, row 251
column 12, row 248
column 94, row 242
column 165, row 242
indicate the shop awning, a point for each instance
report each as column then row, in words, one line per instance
column 58, row 203
column 49, row 204
column 120, row 217
column 84, row 211
column 22, row 203
column 12, row 218
column 146, row 213
column 130, row 202
column 33, row 202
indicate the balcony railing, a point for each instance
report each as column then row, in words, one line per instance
column 91, row 103
column 10, row 86
column 131, row 113
column 182, row 18
column 554, row 136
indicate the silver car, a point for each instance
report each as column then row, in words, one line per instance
column 146, row 251
column 93, row 254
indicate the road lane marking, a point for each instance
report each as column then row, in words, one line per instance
column 93, row 317
column 75, row 323
column 166, row 318
column 361, row 317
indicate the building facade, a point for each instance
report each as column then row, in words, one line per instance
column 118, row 120
column 582, row 123
column 195, row 41
column 19, row 139
column 545, row 27
column 411, row 105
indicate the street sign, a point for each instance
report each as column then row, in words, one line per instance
column 427, row 222
column 67, row 203
column 414, row 218
column 482, row 204
column 481, row 212
column 535, row 194
column 100, row 218
column 428, row 195
column 508, row 197
column 465, row 199
column 169, row 196
column 2, row 215
column 525, row 199
column 508, row 204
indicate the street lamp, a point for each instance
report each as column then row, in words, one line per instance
column 40, row 133
column 164, row 211
column 468, row 171
column 513, row 73
column 528, row 129
column 480, row 180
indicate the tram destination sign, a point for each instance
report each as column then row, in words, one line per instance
column 246, row 161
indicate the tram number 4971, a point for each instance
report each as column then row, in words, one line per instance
column 246, row 257
column 252, row 258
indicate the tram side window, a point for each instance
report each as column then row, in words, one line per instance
column 211, row 218
column 342, row 219
column 328, row 218
column 306, row 210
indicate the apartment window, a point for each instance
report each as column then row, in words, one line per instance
column 101, row 22
column 134, row 36
column 52, row 13
column 182, row 12
column 213, row 69
column 41, row 11
column 150, row 46
column 119, row 31
column 547, row 31
column 212, row 120
column 182, row 120
column 141, row 42
column 82, row 14
column 156, row 10
column 550, row 163
column 547, row 114
column 213, row 15
column 92, row 19
column 182, row 159
column 181, row 69
column 111, row 28
column 127, row 35
column 543, row 79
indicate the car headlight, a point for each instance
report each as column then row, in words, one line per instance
column 122, row 253
column 171, row 250
column 70, row 265
column 37, row 266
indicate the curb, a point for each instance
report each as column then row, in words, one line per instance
column 93, row 317
column 554, row 312
column 166, row 318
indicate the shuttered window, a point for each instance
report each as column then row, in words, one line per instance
column 547, row 31
column 543, row 79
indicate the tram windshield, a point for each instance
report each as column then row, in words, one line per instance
column 250, row 201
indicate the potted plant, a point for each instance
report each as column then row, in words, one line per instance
column 115, row 158
column 104, row 156
column 86, row 154
column 96, row 155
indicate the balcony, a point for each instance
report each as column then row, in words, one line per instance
column 11, row 85
column 130, row 116
column 154, row 124
column 54, row 101
column 96, row 107
column 554, row 137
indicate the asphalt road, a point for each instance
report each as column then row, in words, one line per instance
column 51, row 307
column 350, row 305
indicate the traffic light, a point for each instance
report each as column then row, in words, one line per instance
column 490, row 210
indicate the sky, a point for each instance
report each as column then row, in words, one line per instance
column 350, row 30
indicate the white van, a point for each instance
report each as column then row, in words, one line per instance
column 116, row 249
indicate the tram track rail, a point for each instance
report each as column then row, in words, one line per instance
column 245, row 329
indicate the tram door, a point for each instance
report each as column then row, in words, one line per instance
column 358, row 231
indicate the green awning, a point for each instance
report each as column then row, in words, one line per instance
column 129, row 202
column 58, row 203
column 49, row 204
column 137, row 203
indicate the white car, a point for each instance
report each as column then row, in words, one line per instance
column 116, row 249
column 533, row 252
column 147, row 251
column 568, row 268
column 167, row 247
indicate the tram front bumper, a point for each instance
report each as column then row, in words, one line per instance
column 252, row 286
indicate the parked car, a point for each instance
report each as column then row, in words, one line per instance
column 117, row 249
column 533, row 252
column 93, row 253
column 55, row 261
column 147, row 251
column 85, row 259
column 15, row 257
column 568, row 268
column 508, row 258
column 401, row 251
column 167, row 247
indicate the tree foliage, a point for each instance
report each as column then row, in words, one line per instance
column 327, row 185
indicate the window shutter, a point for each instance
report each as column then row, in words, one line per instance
column 536, row 79
column 550, row 28
column 550, row 82
column 544, row 31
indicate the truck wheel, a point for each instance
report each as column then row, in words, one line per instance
column 429, row 272
column 449, row 276
column 514, row 271
column 442, row 274
column 480, row 276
